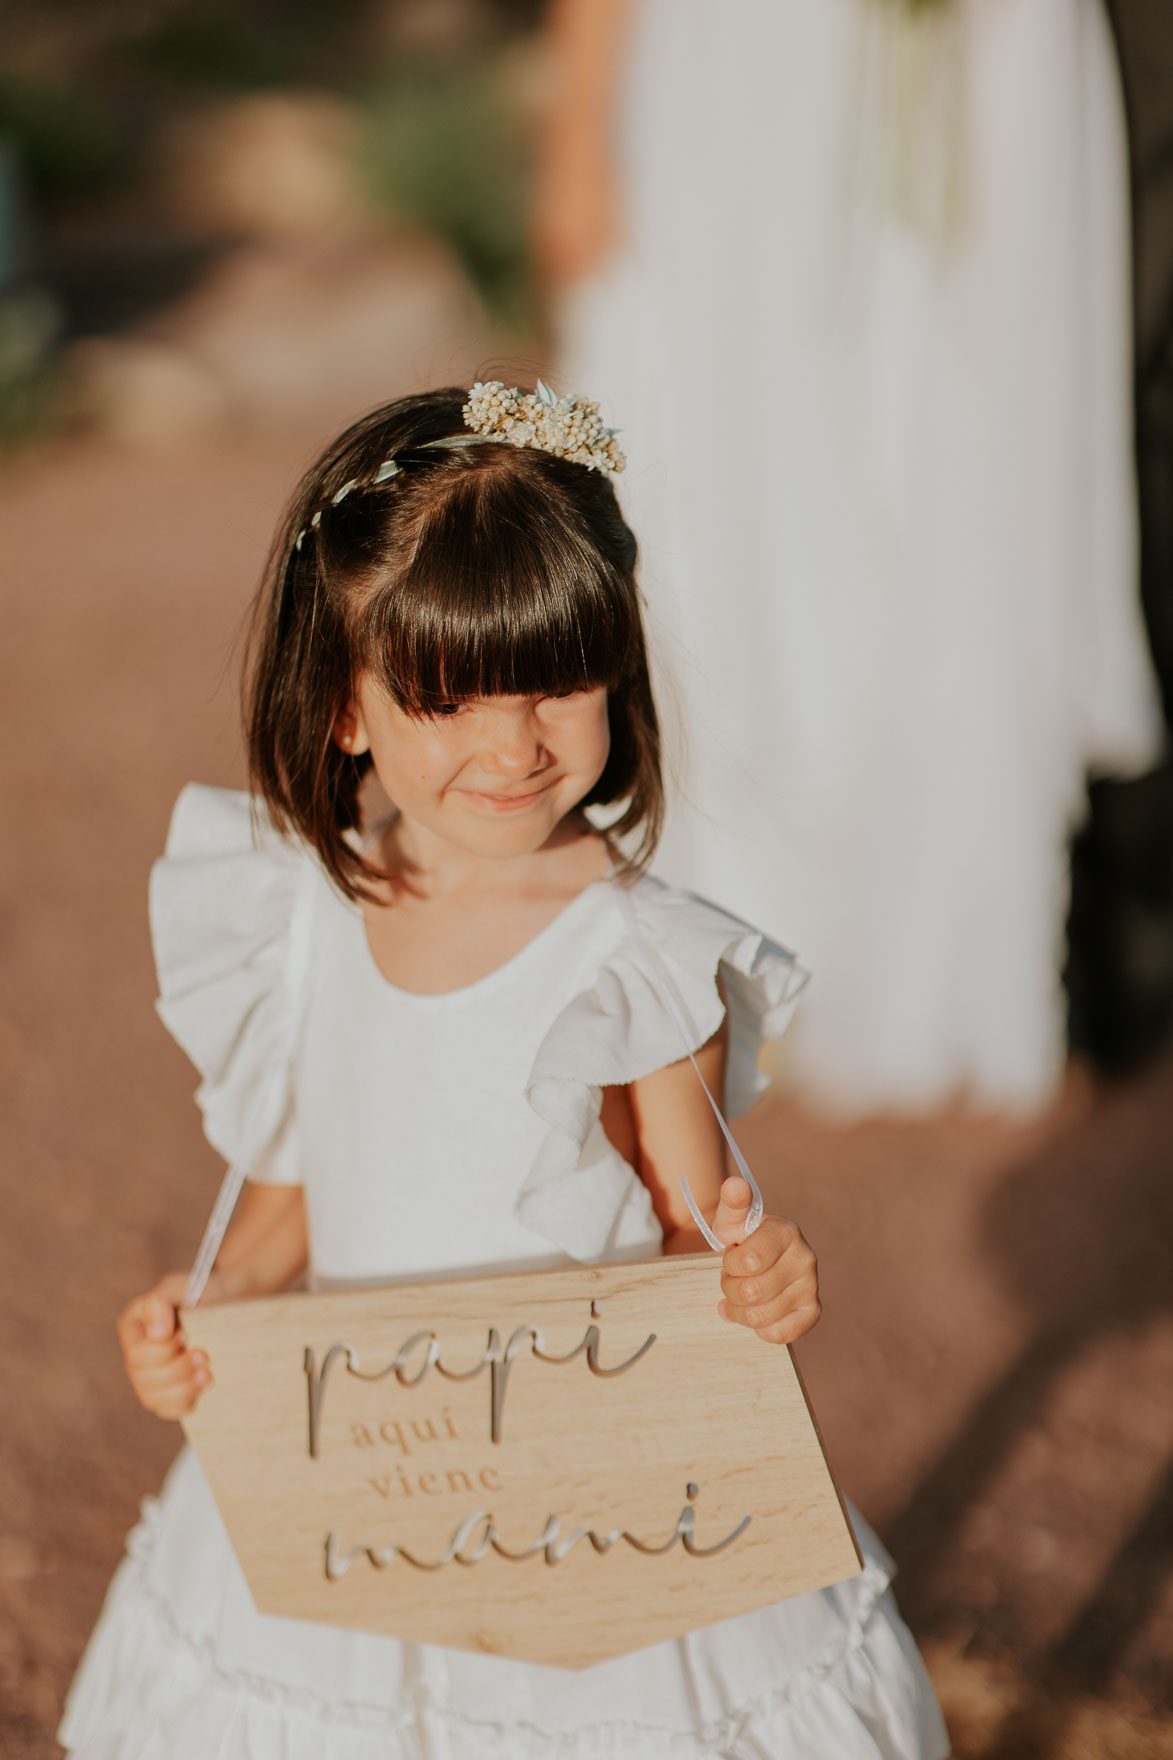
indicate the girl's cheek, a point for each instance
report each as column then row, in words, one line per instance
column 602, row 738
column 417, row 753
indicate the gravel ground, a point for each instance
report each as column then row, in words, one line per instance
column 993, row 1369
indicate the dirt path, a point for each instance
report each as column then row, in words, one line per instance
column 993, row 1370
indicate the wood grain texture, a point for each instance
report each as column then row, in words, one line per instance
column 708, row 1405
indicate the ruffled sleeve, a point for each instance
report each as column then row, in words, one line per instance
column 671, row 947
column 231, row 906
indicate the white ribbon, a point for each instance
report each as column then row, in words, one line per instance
column 677, row 1011
column 213, row 1235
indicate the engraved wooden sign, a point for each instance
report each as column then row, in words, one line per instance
column 558, row 1466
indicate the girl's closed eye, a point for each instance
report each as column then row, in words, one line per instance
column 560, row 699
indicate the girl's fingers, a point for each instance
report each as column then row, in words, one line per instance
column 159, row 1319
column 145, row 1355
column 774, row 1236
column 733, row 1208
column 188, row 1366
column 171, row 1392
column 161, row 1305
column 795, row 1326
column 155, row 1315
column 150, row 1353
column 794, row 1269
column 770, row 1284
column 172, row 1402
column 129, row 1325
column 166, row 1376
column 762, row 1315
column 160, row 1385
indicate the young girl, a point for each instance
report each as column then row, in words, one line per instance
column 452, row 1041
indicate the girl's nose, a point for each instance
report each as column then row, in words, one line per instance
column 513, row 746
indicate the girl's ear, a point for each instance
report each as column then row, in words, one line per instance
column 349, row 731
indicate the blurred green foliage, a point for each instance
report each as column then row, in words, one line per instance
column 28, row 389
column 443, row 147
column 88, row 87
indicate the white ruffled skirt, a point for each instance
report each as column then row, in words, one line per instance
column 182, row 1667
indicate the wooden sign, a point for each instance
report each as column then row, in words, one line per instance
column 556, row 1465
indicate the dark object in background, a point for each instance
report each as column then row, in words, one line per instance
column 1120, row 931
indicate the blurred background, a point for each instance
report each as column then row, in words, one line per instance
column 225, row 229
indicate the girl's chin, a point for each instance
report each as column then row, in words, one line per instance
column 513, row 834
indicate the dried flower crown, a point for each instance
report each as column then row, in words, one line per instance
column 569, row 427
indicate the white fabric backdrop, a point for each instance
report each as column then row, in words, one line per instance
column 869, row 349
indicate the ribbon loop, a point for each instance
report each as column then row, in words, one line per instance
column 677, row 1011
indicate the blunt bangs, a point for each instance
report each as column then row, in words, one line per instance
column 501, row 598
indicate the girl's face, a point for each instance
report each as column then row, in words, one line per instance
column 494, row 776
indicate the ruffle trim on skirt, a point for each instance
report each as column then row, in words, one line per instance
column 148, row 1690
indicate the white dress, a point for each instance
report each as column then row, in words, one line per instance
column 410, row 1121
column 868, row 347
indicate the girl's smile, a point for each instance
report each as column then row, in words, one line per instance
column 506, row 803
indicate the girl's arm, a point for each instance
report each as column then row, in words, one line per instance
column 264, row 1252
column 576, row 205
column 770, row 1281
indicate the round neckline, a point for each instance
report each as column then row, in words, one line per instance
column 499, row 973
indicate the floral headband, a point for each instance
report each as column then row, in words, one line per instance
column 568, row 427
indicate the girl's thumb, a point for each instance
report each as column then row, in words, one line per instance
column 159, row 1307
column 732, row 1211
column 158, row 1318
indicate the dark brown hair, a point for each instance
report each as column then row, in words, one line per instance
column 477, row 570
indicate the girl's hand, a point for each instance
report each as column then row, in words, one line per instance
column 264, row 1251
column 167, row 1377
column 770, row 1281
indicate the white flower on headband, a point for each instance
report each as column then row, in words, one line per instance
column 569, row 427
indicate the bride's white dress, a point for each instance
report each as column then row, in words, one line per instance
column 869, row 348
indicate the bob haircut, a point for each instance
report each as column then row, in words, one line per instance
column 476, row 570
